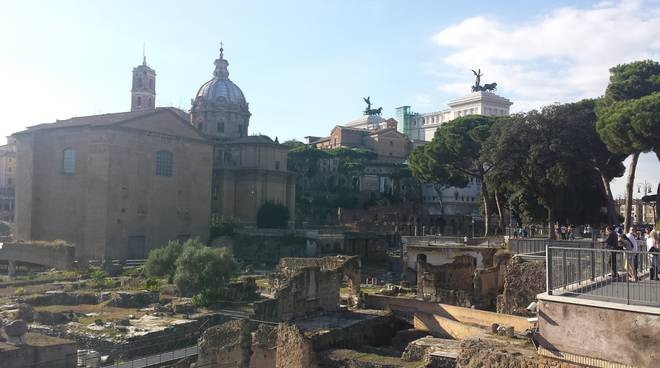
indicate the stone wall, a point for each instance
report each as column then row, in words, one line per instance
column 488, row 352
column 598, row 330
column 294, row 350
column 523, row 281
column 304, row 286
column 227, row 345
column 241, row 344
column 461, row 282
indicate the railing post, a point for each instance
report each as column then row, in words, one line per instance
column 548, row 269
column 593, row 261
column 625, row 260
column 579, row 265
column 564, row 279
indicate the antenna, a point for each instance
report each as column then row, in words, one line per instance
column 144, row 54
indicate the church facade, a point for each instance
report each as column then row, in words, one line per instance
column 118, row 185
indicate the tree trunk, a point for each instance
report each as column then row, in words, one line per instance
column 500, row 224
column 629, row 191
column 551, row 225
column 484, row 197
column 612, row 213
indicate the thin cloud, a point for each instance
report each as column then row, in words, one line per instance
column 560, row 56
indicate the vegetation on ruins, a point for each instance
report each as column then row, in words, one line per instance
column 98, row 279
column 162, row 261
column 222, row 228
column 202, row 272
column 273, row 215
column 196, row 269
column 629, row 116
column 320, row 193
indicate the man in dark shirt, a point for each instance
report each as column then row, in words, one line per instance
column 612, row 243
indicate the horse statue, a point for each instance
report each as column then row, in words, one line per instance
column 490, row 87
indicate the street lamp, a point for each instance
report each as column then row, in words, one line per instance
column 644, row 186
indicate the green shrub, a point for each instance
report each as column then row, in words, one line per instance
column 152, row 284
column 203, row 271
column 19, row 291
column 225, row 228
column 272, row 215
column 161, row 261
column 98, row 279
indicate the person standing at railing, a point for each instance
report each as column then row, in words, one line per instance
column 633, row 261
column 652, row 247
column 612, row 243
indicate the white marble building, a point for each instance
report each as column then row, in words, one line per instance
column 421, row 127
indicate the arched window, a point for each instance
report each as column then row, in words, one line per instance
column 69, row 161
column 164, row 163
column 151, row 84
column 139, row 82
column 221, row 127
column 139, row 101
column 149, row 101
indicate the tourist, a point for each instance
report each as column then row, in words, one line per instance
column 563, row 232
column 652, row 247
column 587, row 231
column 612, row 244
column 632, row 257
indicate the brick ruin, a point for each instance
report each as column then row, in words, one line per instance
column 462, row 282
column 301, row 287
column 523, row 280
column 242, row 344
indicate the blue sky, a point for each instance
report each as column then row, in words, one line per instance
column 304, row 66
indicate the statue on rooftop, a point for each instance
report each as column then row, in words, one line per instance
column 369, row 110
column 488, row 87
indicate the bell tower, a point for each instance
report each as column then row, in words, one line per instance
column 143, row 92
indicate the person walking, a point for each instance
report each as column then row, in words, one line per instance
column 632, row 257
column 612, row 244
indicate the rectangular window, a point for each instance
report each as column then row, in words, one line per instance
column 164, row 163
column 221, row 127
column 69, row 161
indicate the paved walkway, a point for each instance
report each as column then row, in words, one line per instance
column 644, row 292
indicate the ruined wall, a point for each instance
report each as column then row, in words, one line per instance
column 461, row 282
column 227, row 345
column 294, row 350
column 264, row 347
column 305, row 286
column 478, row 353
column 523, row 280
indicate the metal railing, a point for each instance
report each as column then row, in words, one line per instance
column 624, row 277
column 536, row 247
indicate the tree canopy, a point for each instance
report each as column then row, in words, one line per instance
column 454, row 155
column 629, row 115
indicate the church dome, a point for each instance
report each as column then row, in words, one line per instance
column 220, row 89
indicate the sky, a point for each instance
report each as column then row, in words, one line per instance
column 304, row 66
